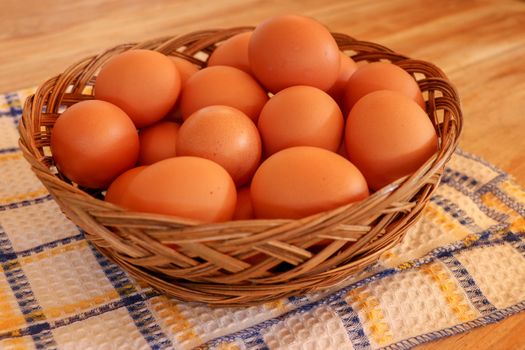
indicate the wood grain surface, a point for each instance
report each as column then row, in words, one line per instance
column 479, row 44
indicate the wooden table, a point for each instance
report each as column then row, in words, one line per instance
column 479, row 44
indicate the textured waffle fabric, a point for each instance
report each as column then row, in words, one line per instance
column 461, row 266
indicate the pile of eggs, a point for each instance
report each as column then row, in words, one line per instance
column 280, row 124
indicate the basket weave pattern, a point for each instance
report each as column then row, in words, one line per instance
column 240, row 262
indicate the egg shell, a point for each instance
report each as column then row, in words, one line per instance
column 224, row 135
column 300, row 116
column 380, row 76
column 233, row 52
column 93, row 142
column 346, row 69
column 185, row 68
column 143, row 83
column 119, row 186
column 158, row 142
column 388, row 136
column 244, row 207
column 293, row 50
column 301, row 181
column 187, row 187
column 222, row 85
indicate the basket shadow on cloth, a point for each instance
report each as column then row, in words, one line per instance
column 240, row 262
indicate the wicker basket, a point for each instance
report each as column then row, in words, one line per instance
column 240, row 262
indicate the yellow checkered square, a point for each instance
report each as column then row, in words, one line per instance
column 434, row 229
column 37, row 224
column 67, row 279
column 480, row 218
column 189, row 324
column 18, row 181
column 8, row 134
column 18, row 343
column 111, row 330
column 392, row 309
column 320, row 328
column 498, row 271
column 11, row 318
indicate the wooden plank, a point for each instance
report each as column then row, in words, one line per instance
column 480, row 44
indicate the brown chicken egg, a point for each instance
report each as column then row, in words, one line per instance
column 224, row 135
column 158, row 142
column 300, row 116
column 186, row 69
column 381, row 76
column 301, row 181
column 222, row 85
column 93, row 142
column 143, row 83
column 293, row 50
column 233, row 52
column 187, row 187
column 347, row 68
column 120, row 185
column 388, row 136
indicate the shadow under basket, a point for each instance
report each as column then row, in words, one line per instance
column 247, row 262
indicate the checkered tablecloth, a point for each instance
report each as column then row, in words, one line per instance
column 461, row 266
